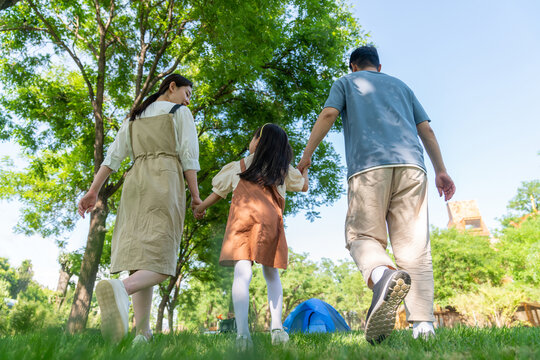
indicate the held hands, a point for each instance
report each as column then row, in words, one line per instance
column 304, row 163
column 445, row 185
column 87, row 203
column 199, row 212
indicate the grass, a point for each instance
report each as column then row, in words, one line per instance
column 458, row 343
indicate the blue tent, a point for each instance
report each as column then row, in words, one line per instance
column 313, row 316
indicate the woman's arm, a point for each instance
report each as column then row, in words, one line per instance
column 89, row 200
column 191, row 179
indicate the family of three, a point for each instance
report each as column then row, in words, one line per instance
column 387, row 199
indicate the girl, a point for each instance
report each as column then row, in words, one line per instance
column 255, row 227
column 161, row 139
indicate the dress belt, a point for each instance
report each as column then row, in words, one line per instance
column 155, row 155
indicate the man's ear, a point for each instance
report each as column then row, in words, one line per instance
column 379, row 68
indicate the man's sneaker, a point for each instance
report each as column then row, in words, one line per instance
column 244, row 343
column 113, row 303
column 388, row 293
column 279, row 336
column 423, row 330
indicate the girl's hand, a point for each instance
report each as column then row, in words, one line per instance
column 87, row 203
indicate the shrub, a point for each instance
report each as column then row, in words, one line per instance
column 493, row 306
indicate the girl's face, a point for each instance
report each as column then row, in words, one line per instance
column 253, row 144
column 179, row 95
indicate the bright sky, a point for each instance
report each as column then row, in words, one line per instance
column 474, row 65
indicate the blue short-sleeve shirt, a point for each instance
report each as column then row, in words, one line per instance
column 379, row 114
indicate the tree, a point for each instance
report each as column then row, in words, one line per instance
column 74, row 71
column 462, row 262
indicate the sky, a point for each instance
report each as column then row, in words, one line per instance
column 474, row 66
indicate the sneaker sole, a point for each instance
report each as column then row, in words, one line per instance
column 112, row 326
column 383, row 318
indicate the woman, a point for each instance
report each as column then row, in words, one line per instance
column 161, row 139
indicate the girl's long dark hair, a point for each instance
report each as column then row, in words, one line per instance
column 179, row 81
column 272, row 157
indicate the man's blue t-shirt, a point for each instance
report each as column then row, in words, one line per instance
column 379, row 114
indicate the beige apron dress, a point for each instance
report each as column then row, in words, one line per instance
column 255, row 227
column 150, row 219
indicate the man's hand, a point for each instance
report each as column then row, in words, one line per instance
column 195, row 201
column 304, row 163
column 445, row 185
column 87, row 203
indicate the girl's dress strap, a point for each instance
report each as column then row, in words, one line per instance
column 174, row 108
column 242, row 165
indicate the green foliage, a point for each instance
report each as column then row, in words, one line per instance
column 493, row 306
column 60, row 91
column 461, row 262
column 520, row 250
column 526, row 198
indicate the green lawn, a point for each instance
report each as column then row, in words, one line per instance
column 460, row 343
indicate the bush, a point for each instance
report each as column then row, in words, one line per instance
column 493, row 306
column 462, row 262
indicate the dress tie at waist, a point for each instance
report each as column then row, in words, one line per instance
column 155, row 155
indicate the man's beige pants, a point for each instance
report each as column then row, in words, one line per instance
column 393, row 197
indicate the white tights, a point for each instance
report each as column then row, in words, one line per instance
column 240, row 295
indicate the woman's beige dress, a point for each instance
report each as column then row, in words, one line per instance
column 150, row 218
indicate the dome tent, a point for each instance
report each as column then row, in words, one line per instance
column 313, row 316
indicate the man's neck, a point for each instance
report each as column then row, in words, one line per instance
column 368, row 68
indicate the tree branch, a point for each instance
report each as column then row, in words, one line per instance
column 58, row 41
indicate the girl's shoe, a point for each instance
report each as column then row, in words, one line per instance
column 279, row 336
column 244, row 343
column 113, row 301
column 140, row 340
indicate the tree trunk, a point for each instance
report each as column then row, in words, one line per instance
column 172, row 304
column 89, row 267
column 165, row 296
column 63, row 282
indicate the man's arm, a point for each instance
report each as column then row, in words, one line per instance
column 324, row 123
column 443, row 181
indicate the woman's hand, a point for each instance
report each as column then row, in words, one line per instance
column 87, row 203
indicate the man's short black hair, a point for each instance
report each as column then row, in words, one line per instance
column 364, row 56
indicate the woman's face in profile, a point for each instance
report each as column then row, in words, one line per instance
column 180, row 95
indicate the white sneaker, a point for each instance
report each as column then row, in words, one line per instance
column 140, row 340
column 279, row 336
column 244, row 343
column 113, row 303
column 423, row 329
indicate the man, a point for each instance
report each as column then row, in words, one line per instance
column 387, row 189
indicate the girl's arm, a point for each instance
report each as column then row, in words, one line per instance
column 306, row 182
column 209, row 201
column 89, row 200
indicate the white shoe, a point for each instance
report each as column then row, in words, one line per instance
column 140, row 340
column 243, row 343
column 279, row 336
column 113, row 301
column 423, row 329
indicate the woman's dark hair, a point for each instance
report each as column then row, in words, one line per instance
column 179, row 80
column 364, row 56
column 272, row 157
